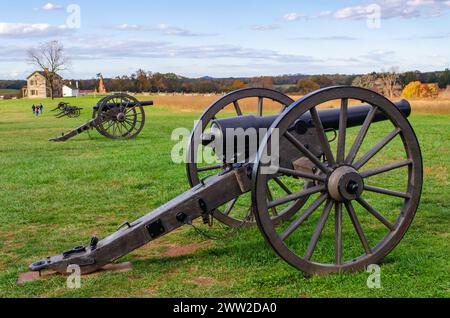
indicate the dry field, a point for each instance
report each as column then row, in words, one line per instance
column 188, row 103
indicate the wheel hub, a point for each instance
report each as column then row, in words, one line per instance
column 121, row 117
column 345, row 184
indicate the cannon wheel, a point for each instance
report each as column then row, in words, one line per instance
column 347, row 244
column 235, row 100
column 123, row 122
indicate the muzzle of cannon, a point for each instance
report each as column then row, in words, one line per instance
column 230, row 131
column 118, row 116
column 312, row 201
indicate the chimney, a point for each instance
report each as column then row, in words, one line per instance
column 46, row 70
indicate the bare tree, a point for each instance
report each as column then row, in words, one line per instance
column 50, row 58
column 388, row 83
column 365, row 81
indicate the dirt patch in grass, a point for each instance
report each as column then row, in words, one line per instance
column 203, row 281
column 168, row 249
column 175, row 251
column 439, row 173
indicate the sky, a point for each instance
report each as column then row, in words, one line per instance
column 232, row 38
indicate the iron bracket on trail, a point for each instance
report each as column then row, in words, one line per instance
column 118, row 116
column 325, row 178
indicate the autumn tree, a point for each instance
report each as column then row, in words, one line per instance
column 322, row 80
column 306, row 86
column 419, row 90
column 51, row 59
column 237, row 84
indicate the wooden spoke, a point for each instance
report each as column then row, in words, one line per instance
column 358, row 228
column 377, row 171
column 375, row 213
column 340, row 157
column 307, row 153
column 282, row 185
column 299, row 174
column 322, row 136
column 361, row 136
column 209, row 168
column 388, row 192
column 377, row 148
column 303, row 217
column 260, row 106
column 269, row 199
column 319, row 229
column 230, row 206
column 296, row 196
column 338, row 233
column 238, row 108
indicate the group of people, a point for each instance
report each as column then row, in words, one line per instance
column 38, row 110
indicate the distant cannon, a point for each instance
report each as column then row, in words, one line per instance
column 118, row 116
column 66, row 110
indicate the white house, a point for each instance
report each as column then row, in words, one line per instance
column 70, row 90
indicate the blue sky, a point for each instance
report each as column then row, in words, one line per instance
column 230, row 38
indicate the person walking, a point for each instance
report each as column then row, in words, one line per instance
column 41, row 108
column 34, row 109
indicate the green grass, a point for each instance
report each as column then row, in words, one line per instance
column 56, row 196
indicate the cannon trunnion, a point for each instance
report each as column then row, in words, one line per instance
column 314, row 200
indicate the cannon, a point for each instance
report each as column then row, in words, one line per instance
column 313, row 197
column 66, row 110
column 118, row 116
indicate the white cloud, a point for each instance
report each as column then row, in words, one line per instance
column 52, row 6
column 394, row 9
column 176, row 31
column 31, row 30
column 356, row 12
column 265, row 27
column 325, row 13
column 293, row 16
column 126, row 27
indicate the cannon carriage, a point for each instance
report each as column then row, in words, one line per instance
column 310, row 194
column 67, row 110
column 118, row 116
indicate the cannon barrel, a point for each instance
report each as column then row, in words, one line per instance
column 330, row 120
column 113, row 105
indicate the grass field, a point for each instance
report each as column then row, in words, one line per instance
column 56, row 196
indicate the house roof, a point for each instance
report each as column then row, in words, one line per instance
column 41, row 73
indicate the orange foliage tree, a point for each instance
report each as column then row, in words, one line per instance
column 306, row 86
column 419, row 90
column 237, row 84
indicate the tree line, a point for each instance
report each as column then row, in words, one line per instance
column 389, row 83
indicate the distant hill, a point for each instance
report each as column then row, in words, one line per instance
column 12, row 84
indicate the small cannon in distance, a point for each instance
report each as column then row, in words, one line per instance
column 118, row 116
column 66, row 110
column 315, row 182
